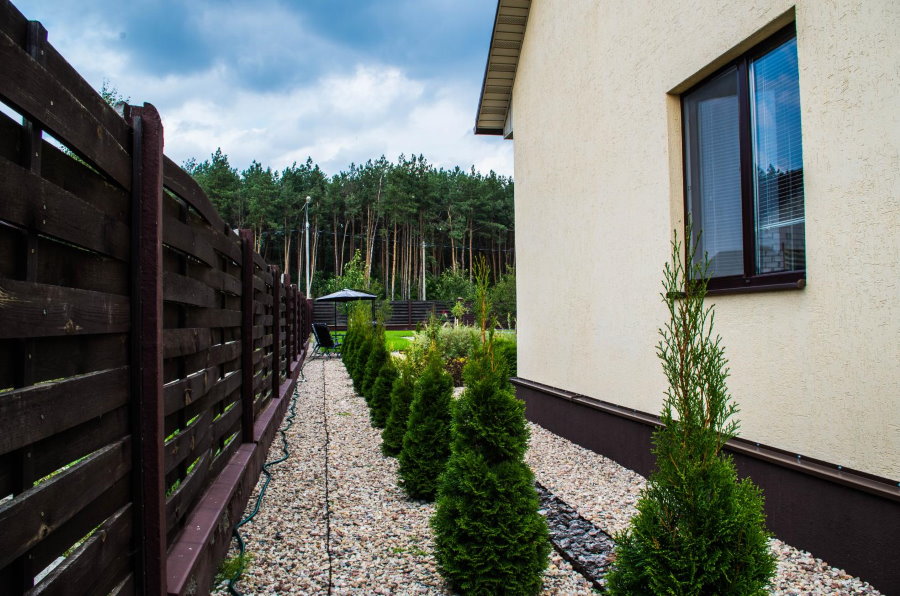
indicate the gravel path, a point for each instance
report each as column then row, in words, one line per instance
column 380, row 541
column 605, row 493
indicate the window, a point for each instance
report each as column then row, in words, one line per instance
column 743, row 169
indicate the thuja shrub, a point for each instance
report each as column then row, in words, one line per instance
column 699, row 530
column 400, row 399
column 489, row 536
column 358, row 363
column 426, row 443
column 380, row 398
column 378, row 355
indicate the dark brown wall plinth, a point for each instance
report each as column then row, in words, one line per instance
column 849, row 519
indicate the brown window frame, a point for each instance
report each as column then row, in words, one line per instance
column 750, row 280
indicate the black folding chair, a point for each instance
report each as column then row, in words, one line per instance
column 325, row 343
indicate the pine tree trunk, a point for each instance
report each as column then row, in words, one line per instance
column 394, row 262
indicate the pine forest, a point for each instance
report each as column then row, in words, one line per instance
column 410, row 226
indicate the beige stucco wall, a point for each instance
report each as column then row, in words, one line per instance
column 598, row 192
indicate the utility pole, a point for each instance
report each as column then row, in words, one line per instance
column 422, row 293
column 306, row 215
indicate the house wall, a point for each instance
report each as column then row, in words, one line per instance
column 599, row 190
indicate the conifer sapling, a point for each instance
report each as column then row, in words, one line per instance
column 699, row 530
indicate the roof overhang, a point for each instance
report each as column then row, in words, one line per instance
column 500, row 72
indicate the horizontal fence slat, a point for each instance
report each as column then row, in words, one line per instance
column 30, row 414
column 181, row 342
column 212, row 317
column 104, row 558
column 179, row 503
column 33, row 203
column 182, row 289
column 193, row 389
column 182, row 184
column 189, row 442
column 39, row 310
column 36, row 93
column 30, row 517
column 188, row 240
column 67, row 356
column 62, row 264
column 79, row 526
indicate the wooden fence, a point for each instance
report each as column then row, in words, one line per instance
column 147, row 354
column 405, row 314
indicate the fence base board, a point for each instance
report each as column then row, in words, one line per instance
column 192, row 560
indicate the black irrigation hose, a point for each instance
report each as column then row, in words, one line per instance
column 327, row 473
column 262, row 491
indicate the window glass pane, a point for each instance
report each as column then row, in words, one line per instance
column 778, row 161
column 713, row 172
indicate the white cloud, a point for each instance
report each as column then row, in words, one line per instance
column 357, row 110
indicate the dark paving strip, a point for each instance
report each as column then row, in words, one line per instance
column 588, row 548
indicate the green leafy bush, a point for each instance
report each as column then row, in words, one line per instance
column 401, row 397
column 699, row 530
column 489, row 536
column 457, row 342
column 454, row 368
column 380, row 398
column 426, row 443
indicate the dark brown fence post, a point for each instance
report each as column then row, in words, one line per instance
column 247, row 269
column 288, row 326
column 147, row 349
column 276, row 331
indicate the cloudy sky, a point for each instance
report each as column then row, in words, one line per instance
column 279, row 80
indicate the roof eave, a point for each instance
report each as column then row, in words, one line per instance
column 510, row 21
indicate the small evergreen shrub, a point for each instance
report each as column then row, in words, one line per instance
column 699, row 530
column 426, row 443
column 401, row 397
column 489, row 536
column 378, row 355
column 380, row 399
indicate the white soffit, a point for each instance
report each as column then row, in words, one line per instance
column 500, row 73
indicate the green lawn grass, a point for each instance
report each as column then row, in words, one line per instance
column 396, row 340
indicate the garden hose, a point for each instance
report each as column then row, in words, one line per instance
column 262, row 491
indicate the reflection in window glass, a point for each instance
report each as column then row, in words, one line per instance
column 777, row 160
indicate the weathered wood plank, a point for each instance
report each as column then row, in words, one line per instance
column 91, row 516
column 105, row 557
column 68, row 356
column 188, row 240
column 179, row 288
column 31, row 516
column 38, row 205
column 39, row 310
column 212, row 317
column 180, row 342
column 62, row 264
column 70, row 445
column 38, row 94
column 34, row 413
column 179, row 503
column 190, row 443
column 71, row 175
column 221, row 389
column 182, row 184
